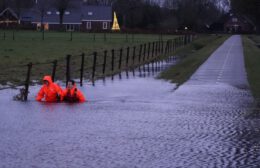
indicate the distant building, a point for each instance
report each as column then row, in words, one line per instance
column 79, row 18
column 8, row 18
column 239, row 24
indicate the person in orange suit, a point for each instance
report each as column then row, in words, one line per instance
column 50, row 91
column 72, row 94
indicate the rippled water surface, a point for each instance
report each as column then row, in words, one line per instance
column 137, row 122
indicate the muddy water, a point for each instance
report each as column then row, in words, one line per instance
column 134, row 122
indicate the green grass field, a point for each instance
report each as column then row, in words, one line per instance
column 252, row 59
column 193, row 56
column 21, row 47
column 29, row 46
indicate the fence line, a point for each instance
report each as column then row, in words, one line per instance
column 98, row 64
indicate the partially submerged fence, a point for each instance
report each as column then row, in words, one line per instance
column 103, row 63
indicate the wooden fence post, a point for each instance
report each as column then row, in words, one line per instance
column 127, row 56
column 153, row 50
column 113, row 59
column 144, row 53
column 94, row 65
column 120, row 58
column 68, row 69
column 149, row 47
column 54, row 69
column 82, row 68
column 27, row 82
column 156, row 49
column 140, row 53
column 133, row 55
column 105, row 62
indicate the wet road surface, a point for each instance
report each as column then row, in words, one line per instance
column 140, row 122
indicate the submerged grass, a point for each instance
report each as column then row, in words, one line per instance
column 192, row 57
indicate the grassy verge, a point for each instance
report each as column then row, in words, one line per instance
column 192, row 57
column 252, row 61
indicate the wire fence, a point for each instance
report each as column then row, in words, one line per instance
column 95, row 65
column 17, row 35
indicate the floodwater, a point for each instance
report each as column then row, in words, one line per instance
column 140, row 121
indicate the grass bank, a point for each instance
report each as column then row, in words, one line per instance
column 252, row 61
column 192, row 57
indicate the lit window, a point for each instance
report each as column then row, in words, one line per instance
column 67, row 13
column 57, row 12
column 90, row 13
column 48, row 12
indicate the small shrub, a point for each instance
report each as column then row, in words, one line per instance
column 198, row 46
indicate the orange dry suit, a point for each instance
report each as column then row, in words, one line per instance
column 73, row 95
column 51, row 92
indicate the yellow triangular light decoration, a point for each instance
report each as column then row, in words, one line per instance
column 115, row 26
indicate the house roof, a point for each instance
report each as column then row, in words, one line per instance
column 74, row 15
column 96, row 13
column 53, row 16
column 27, row 14
column 11, row 11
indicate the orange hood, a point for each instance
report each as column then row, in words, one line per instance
column 48, row 78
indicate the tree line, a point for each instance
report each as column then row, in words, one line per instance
column 249, row 8
column 169, row 15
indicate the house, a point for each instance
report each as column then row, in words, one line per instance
column 79, row 18
column 238, row 24
column 8, row 18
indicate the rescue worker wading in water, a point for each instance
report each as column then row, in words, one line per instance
column 50, row 91
column 72, row 94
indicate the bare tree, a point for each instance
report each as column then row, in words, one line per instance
column 41, row 7
column 3, row 5
column 19, row 4
column 197, row 13
column 250, row 8
column 61, row 6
